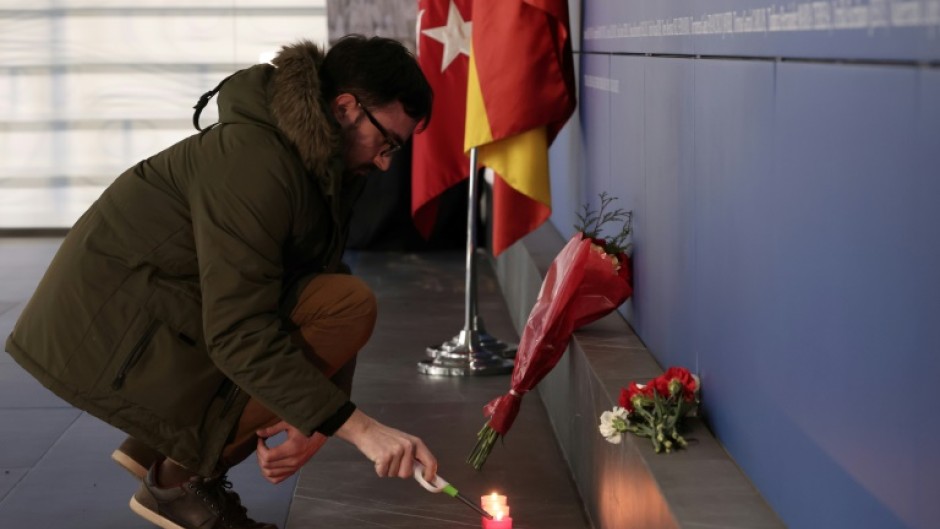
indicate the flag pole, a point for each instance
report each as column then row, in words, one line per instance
column 468, row 355
column 473, row 321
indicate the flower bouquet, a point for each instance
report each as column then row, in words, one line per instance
column 654, row 410
column 588, row 279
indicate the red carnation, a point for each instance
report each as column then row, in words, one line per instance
column 689, row 384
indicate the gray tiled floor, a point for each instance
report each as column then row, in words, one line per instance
column 55, row 465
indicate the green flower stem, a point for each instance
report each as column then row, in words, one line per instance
column 645, row 414
column 659, row 418
column 486, row 438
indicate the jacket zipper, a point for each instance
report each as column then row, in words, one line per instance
column 229, row 400
column 134, row 355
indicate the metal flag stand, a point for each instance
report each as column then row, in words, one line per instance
column 472, row 351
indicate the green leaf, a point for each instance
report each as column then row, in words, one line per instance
column 591, row 223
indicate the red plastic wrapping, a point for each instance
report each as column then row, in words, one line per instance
column 581, row 286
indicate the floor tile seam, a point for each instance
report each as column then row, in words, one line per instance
column 52, row 446
column 363, row 520
column 310, row 494
column 13, row 487
column 35, row 408
column 386, row 511
column 290, row 501
column 354, row 498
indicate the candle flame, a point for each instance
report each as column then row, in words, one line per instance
column 493, row 495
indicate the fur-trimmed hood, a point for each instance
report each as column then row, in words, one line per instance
column 288, row 98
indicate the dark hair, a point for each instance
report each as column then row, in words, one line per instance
column 378, row 71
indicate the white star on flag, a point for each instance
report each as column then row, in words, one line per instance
column 455, row 36
column 418, row 32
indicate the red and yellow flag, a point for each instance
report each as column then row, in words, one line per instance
column 438, row 160
column 520, row 92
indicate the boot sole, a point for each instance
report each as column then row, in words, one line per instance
column 151, row 516
column 127, row 463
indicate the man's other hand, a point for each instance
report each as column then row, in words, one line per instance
column 282, row 461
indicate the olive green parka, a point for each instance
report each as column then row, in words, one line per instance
column 165, row 307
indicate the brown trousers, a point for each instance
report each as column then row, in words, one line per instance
column 334, row 316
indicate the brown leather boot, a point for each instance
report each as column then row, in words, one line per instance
column 199, row 503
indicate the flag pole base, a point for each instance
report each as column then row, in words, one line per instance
column 466, row 358
column 488, row 343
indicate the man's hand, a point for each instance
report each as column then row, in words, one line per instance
column 392, row 451
column 280, row 462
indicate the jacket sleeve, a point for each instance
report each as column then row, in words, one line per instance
column 241, row 216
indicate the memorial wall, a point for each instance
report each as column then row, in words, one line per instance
column 783, row 164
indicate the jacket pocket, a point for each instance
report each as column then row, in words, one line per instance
column 134, row 356
column 164, row 375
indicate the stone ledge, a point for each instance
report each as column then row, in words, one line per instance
column 625, row 485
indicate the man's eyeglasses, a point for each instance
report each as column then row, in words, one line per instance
column 393, row 144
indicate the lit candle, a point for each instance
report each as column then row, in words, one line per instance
column 494, row 502
column 497, row 505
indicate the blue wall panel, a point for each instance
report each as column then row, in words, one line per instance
column 847, row 290
column 735, row 259
column 663, row 252
column 787, row 237
column 856, row 29
column 595, row 122
column 566, row 158
column 926, row 179
column 627, row 138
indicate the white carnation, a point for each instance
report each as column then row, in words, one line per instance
column 607, row 426
column 608, row 430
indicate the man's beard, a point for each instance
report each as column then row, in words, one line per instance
column 361, row 169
